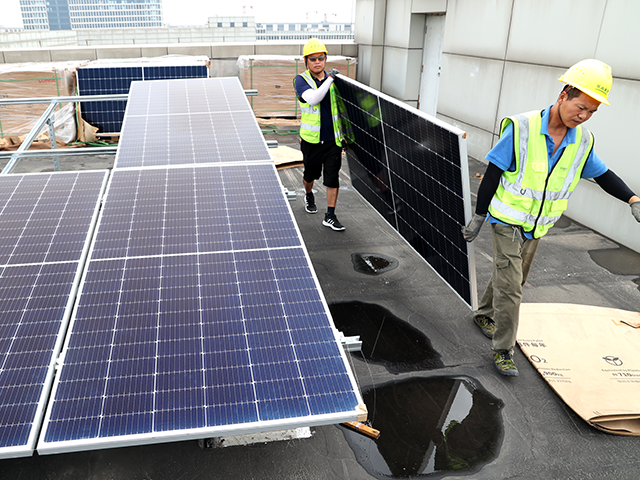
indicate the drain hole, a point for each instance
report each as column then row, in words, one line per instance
column 372, row 263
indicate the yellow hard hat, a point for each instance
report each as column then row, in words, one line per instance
column 592, row 77
column 314, row 46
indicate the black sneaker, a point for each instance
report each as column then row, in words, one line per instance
column 310, row 203
column 504, row 363
column 332, row 222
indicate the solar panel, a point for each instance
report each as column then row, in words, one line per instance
column 105, row 79
column 45, row 220
column 189, row 121
column 412, row 168
column 199, row 315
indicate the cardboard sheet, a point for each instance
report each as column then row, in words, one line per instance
column 284, row 155
column 590, row 356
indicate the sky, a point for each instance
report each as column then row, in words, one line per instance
column 197, row 12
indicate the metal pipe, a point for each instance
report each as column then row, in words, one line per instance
column 83, row 98
column 60, row 152
column 74, row 98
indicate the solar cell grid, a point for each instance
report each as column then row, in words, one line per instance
column 191, row 139
column 197, row 209
column 115, row 79
column 216, row 341
column 44, row 222
column 199, row 313
column 413, row 170
column 187, row 96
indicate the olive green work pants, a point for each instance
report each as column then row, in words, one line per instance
column 512, row 259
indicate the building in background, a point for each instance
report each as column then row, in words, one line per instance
column 303, row 31
column 82, row 14
column 471, row 63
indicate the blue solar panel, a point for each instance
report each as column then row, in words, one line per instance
column 115, row 79
column 212, row 95
column 199, row 311
column 44, row 224
column 187, row 122
column 413, row 170
column 196, row 209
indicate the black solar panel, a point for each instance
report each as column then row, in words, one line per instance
column 413, row 170
column 199, row 315
column 105, row 79
column 189, row 121
column 44, row 224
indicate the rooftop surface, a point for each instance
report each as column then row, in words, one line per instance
column 427, row 377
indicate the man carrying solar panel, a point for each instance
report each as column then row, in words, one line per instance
column 525, row 191
column 320, row 134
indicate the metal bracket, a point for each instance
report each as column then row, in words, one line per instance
column 351, row 344
column 290, row 194
column 52, row 138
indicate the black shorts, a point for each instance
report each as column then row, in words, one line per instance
column 317, row 155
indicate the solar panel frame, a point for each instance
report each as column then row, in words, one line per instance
column 309, row 355
column 398, row 163
column 37, row 308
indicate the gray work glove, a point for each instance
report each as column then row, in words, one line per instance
column 635, row 210
column 471, row 231
column 333, row 72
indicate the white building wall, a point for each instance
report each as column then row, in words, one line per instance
column 502, row 57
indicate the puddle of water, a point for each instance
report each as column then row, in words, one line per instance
column 386, row 339
column 372, row 263
column 619, row 261
column 563, row 222
column 429, row 426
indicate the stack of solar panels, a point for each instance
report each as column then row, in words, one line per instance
column 412, row 168
column 106, row 77
column 199, row 314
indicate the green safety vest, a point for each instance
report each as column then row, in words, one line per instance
column 310, row 116
column 531, row 196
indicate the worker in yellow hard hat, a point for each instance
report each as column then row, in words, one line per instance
column 320, row 130
column 532, row 171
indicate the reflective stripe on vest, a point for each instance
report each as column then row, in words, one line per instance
column 310, row 116
column 531, row 196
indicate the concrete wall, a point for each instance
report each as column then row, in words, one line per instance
column 137, row 36
column 501, row 57
column 223, row 56
column 35, row 38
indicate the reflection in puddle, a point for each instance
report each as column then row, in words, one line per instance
column 386, row 339
column 427, row 426
column 372, row 264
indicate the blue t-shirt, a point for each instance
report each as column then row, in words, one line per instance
column 326, row 123
column 503, row 156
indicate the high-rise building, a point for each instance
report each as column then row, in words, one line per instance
column 80, row 14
